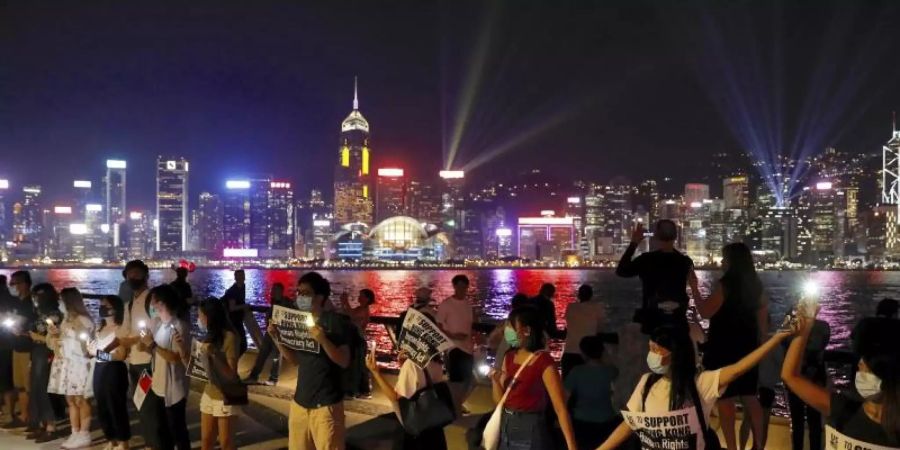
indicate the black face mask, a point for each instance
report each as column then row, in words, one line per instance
column 104, row 311
column 136, row 283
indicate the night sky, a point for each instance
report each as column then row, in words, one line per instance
column 590, row 90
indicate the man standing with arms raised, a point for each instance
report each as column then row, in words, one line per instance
column 455, row 317
column 664, row 276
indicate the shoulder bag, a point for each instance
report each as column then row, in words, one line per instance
column 429, row 408
column 490, row 438
column 222, row 376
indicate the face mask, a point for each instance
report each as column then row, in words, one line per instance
column 304, row 302
column 152, row 312
column 654, row 361
column 202, row 327
column 867, row 384
column 135, row 283
column 14, row 291
column 509, row 334
column 62, row 308
column 104, row 311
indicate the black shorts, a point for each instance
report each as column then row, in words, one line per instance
column 766, row 397
column 459, row 366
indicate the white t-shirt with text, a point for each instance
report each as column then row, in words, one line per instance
column 658, row 397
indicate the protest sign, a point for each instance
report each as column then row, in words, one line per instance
column 293, row 327
column 676, row 430
column 196, row 367
column 421, row 338
column 834, row 440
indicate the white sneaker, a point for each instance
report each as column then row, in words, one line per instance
column 81, row 439
column 67, row 444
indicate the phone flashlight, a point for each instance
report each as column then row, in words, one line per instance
column 310, row 322
column 49, row 321
column 484, row 369
column 142, row 324
column 9, row 322
column 810, row 289
column 83, row 336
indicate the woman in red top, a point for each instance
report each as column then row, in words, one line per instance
column 524, row 425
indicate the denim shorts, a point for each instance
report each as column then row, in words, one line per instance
column 524, row 431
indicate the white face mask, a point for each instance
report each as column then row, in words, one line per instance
column 867, row 384
column 304, row 302
column 654, row 361
column 14, row 291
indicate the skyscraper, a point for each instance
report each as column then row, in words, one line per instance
column 209, row 223
column 171, row 205
column 390, row 194
column 281, row 219
column 236, row 215
column 4, row 219
column 736, row 192
column 352, row 180
column 115, row 191
column 695, row 192
column 260, row 189
column 424, row 202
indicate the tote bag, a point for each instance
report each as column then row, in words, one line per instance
column 490, row 438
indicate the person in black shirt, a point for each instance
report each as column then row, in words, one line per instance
column 7, row 307
column 543, row 302
column 872, row 413
column 664, row 276
column 181, row 285
column 235, row 299
column 267, row 348
column 23, row 316
column 316, row 418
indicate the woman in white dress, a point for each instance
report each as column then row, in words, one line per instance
column 70, row 374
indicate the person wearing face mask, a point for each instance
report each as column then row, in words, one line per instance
column 316, row 418
column 43, row 415
column 169, row 340
column 137, row 322
column 71, row 368
column 524, row 422
column 111, row 374
column 267, row 348
column 24, row 313
column 675, row 379
column 872, row 413
column 217, row 418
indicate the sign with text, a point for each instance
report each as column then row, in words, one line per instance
column 834, row 440
column 293, row 327
column 197, row 367
column 422, row 339
column 676, row 430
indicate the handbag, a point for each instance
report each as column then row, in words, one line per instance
column 429, row 408
column 490, row 438
column 709, row 435
column 222, row 376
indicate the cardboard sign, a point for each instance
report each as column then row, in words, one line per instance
column 834, row 440
column 676, row 430
column 293, row 327
column 140, row 391
column 422, row 340
column 196, row 367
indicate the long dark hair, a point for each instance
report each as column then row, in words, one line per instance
column 682, row 364
column 168, row 296
column 217, row 322
column 47, row 298
column 531, row 318
column 118, row 309
column 740, row 281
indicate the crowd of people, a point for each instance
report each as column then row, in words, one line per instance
column 60, row 370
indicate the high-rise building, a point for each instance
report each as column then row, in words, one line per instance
column 209, row 223
column 736, row 192
column 594, row 220
column 819, row 230
column 140, row 235
column 890, row 170
column 259, row 192
column 545, row 238
column 4, row 219
column 424, row 202
column 96, row 240
column 115, row 190
column 695, row 192
column 28, row 226
column 280, row 219
column 83, row 194
column 451, row 198
column 171, row 205
column 390, row 194
column 236, row 215
column 352, row 180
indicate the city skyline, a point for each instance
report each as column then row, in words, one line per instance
column 635, row 90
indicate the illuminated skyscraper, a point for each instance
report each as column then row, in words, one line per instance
column 390, row 194
column 424, row 202
column 236, row 214
column 819, row 232
column 140, row 235
column 115, row 191
column 890, row 170
column 736, row 192
column 352, row 180
column 695, row 192
column 260, row 189
column 27, row 225
column 4, row 219
column 545, row 238
column 281, row 219
column 451, row 198
column 209, row 223
column 171, row 205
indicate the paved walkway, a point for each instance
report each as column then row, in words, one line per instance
column 263, row 423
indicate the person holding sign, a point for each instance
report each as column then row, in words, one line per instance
column 43, row 416
column 523, row 422
column 212, row 319
column 874, row 416
column 316, row 417
column 71, row 368
column 169, row 340
column 111, row 373
column 670, row 394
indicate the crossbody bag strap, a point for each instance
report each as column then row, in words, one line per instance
column 695, row 398
column 516, row 377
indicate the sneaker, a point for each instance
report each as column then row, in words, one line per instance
column 67, row 444
column 81, row 439
column 271, row 382
column 49, row 436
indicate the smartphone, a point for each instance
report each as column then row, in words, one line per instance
column 790, row 320
column 372, row 346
